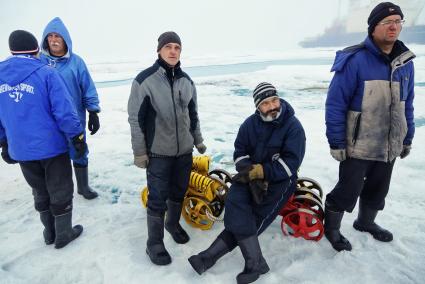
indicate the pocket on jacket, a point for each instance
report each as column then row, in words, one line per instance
column 404, row 82
column 182, row 102
column 353, row 126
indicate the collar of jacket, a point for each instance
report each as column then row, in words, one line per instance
column 172, row 73
column 398, row 49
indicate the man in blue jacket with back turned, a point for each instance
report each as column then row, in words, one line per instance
column 57, row 52
column 369, row 123
column 269, row 149
column 37, row 121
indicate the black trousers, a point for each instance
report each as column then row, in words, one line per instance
column 51, row 183
column 168, row 178
column 368, row 179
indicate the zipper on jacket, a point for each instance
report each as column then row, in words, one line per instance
column 175, row 112
column 391, row 97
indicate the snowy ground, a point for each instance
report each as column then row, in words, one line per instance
column 112, row 247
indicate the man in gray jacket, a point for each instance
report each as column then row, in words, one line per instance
column 163, row 117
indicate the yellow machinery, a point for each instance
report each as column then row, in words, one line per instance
column 204, row 199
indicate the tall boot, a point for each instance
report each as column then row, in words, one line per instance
column 82, row 177
column 65, row 233
column 255, row 264
column 206, row 259
column 48, row 221
column 155, row 245
column 365, row 222
column 332, row 225
column 172, row 224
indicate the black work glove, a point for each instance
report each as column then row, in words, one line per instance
column 249, row 173
column 5, row 154
column 80, row 145
column 258, row 189
column 93, row 123
column 406, row 151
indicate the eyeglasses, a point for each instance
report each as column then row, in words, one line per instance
column 392, row 22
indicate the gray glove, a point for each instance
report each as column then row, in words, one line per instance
column 406, row 151
column 141, row 161
column 201, row 148
column 339, row 154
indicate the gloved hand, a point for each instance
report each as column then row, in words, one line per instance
column 406, row 151
column 141, row 161
column 249, row 173
column 93, row 123
column 5, row 154
column 201, row 148
column 258, row 189
column 79, row 144
column 339, row 154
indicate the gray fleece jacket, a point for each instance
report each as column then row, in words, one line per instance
column 163, row 112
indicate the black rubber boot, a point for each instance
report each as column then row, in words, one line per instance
column 365, row 222
column 332, row 225
column 48, row 221
column 65, row 233
column 82, row 177
column 204, row 260
column 255, row 264
column 172, row 224
column 155, row 245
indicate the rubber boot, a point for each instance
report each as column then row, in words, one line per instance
column 365, row 222
column 65, row 233
column 48, row 221
column 155, row 245
column 82, row 177
column 332, row 225
column 172, row 224
column 255, row 264
column 204, row 260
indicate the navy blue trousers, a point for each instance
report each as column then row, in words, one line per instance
column 368, row 179
column 168, row 178
column 244, row 218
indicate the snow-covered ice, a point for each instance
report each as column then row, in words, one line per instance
column 112, row 246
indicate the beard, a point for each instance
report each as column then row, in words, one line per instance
column 271, row 114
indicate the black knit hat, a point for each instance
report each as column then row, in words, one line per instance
column 263, row 91
column 168, row 37
column 22, row 42
column 381, row 11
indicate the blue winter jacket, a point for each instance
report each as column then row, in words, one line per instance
column 36, row 111
column 73, row 70
column 279, row 145
column 369, row 107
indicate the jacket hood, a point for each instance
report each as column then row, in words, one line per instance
column 342, row 56
column 18, row 68
column 56, row 26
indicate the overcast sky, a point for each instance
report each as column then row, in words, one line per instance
column 104, row 30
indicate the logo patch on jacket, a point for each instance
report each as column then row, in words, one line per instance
column 16, row 92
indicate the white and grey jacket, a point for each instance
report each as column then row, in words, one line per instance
column 163, row 112
column 369, row 107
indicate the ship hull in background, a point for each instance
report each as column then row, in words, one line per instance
column 413, row 34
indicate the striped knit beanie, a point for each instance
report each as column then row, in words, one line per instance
column 263, row 91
